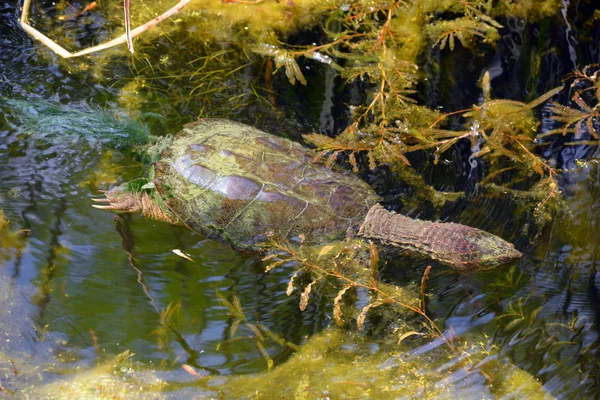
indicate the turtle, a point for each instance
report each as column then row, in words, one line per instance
column 225, row 179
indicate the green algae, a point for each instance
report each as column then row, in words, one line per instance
column 334, row 363
column 326, row 366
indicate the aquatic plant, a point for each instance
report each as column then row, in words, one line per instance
column 259, row 332
column 348, row 272
column 11, row 242
column 584, row 116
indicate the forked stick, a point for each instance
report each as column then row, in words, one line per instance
column 52, row 45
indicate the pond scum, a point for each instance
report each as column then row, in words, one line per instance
column 233, row 54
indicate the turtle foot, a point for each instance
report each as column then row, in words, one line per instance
column 118, row 200
column 121, row 200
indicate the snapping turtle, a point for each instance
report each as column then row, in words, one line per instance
column 224, row 178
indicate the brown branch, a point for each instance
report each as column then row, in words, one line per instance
column 55, row 47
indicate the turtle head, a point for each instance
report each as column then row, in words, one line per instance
column 136, row 196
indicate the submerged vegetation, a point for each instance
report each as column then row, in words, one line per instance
column 11, row 242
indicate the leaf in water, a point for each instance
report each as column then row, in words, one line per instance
column 578, row 129
column 443, row 42
column 321, row 141
column 538, row 168
column 292, row 71
column 409, row 334
column 445, row 146
column 423, row 283
column 265, row 355
column 290, row 285
column 490, row 21
column 183, row 255
column 352, row 160
column 273, row 265
column 360, row 320
column 391, row 152
column 534, row 314
column 256, row 331
column 237, row 305
column 89, row 7
column 265, row 49
column 190, row 370
column 372, row 162
column 374, row 259
column 269, row 256
column 305, row 294
column 337, row 310
column 542, row 98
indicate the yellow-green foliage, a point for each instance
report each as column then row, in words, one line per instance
column 10, row 242
column 226, row 20
column 260, row 18
column 534, row 10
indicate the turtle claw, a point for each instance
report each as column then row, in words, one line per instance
column 110, row 207
column 101, row 200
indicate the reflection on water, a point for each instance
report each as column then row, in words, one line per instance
column 91, row 285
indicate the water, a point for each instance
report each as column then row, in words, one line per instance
column 90, row 285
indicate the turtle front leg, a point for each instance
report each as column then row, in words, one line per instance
column 121, row 200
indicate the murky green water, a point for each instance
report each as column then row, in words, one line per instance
column 89, row 285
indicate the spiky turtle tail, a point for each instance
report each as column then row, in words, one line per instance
column 56, row 122
column 462, row 247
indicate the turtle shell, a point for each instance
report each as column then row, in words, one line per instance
column 223, row 178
